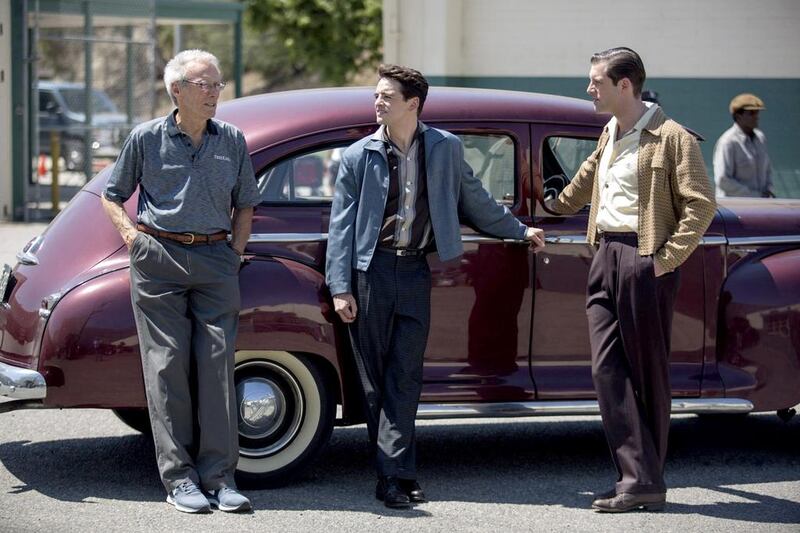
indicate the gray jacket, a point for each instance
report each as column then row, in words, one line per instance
column 360, row 199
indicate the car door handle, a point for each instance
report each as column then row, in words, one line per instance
column 579, row 238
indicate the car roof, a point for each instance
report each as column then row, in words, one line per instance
column 268, row 119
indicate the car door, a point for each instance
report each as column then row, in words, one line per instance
column 481, row 304
column 560, row 351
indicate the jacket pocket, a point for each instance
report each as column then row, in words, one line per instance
column 659, row 172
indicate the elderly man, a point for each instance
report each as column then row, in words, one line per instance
column 193, row 172
column 741, row 162
column 397, row 197
column 651, row 202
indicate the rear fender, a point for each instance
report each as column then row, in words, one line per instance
column 759, row 331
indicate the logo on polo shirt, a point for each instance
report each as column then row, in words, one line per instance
column 222, row 158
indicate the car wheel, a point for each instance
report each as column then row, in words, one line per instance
column 286, row 411
column 137, row 419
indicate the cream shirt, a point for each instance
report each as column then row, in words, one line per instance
column 618, row 177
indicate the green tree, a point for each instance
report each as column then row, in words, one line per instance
column 335, row 38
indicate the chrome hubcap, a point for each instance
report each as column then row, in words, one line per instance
column 261, row 407
column 270, row 407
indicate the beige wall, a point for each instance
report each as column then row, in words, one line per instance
column 536, row 38
column 5, row 111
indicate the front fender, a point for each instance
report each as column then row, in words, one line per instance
column 90, row 353
column 759, row 335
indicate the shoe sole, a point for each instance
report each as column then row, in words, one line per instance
column 403, row 505
column 230, row 509
column 184, row 509
column 640, row 507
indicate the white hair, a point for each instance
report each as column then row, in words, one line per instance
column 175, row 70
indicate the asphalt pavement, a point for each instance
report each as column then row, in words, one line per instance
column 84, row 470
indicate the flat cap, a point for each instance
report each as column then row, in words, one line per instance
column 746, row 101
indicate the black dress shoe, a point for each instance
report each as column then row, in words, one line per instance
column 413, row 490
column 389, row 492
column 624, row 502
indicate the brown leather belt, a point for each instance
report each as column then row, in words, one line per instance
column 184, row 238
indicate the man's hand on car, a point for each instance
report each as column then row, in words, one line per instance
column 536, row 237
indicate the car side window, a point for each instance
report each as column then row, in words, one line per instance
column 305, row 177
column 561, row 159
column 310, row 176
column 492, row 158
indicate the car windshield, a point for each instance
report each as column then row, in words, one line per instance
column 76, row 101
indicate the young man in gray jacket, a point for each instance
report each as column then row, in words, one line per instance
column 397, row 197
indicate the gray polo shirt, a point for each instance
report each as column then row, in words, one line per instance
column 183, row 188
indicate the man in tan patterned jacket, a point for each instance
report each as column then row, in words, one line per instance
column 651, row 202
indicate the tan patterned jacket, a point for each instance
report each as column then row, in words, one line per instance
column 676, row 200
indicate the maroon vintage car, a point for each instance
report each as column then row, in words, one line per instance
column 509, row 331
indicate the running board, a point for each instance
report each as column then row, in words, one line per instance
column 431, row 411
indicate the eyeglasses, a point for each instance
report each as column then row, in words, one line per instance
column 206, row 87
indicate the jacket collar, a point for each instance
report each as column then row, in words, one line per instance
column 656, row 121
column 430, row 137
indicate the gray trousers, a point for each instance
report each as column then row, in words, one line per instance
column 389, row 337
column 186, row 306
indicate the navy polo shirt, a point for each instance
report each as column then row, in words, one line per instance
column 183, row 188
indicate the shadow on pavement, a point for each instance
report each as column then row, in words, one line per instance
column 538, row 462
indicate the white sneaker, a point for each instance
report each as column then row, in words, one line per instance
column 187, row 498
column 228, row 500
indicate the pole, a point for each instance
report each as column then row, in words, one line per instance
column 55, row 156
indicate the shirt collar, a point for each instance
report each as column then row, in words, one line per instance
column 740, row 132
column 173, row 130
column 640, row 124
column 645, row 119
column 380, row 134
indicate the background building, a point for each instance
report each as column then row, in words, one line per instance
column 75, row 77
column 78, row 74
column 698, row 55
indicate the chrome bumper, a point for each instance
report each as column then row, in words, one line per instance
column 21, row 384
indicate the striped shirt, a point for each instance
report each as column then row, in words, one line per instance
column 406, row 221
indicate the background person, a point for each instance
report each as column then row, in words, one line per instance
column 741, row 161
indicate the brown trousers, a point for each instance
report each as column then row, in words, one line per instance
column 630, row 320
